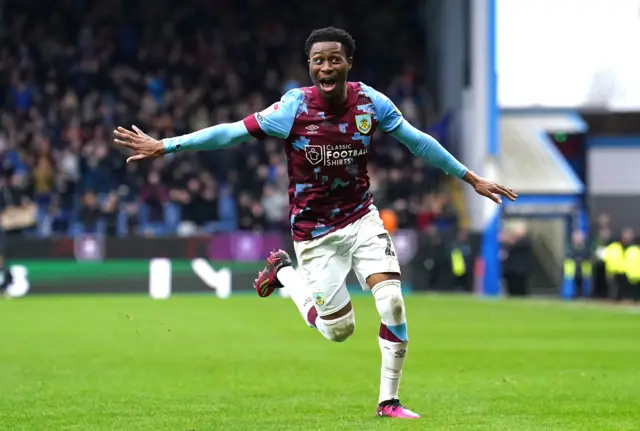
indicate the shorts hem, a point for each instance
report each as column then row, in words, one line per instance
column 364, row 284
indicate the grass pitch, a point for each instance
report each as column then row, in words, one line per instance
column 200, row 363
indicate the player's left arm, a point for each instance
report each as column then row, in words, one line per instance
column 423, row 145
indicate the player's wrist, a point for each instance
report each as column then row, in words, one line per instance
column 168, row 146
column 471, row 177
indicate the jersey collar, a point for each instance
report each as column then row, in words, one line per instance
column 321, row 103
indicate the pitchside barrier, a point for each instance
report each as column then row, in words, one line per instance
column 222, row 264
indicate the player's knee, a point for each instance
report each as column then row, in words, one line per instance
column 340, row 329
column 345, row 330
column 389, row 302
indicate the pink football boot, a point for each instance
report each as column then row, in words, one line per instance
column 393, row 409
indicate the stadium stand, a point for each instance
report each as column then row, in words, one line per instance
column 72, row 71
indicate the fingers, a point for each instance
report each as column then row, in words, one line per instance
column 506, row 192
column 494, row 198
column 140, row 132
column 123, row 143
column 126, row 132
column 489, row 193
column 122, row 136
column 125, row 138
column 136, row 157
column 493, row 191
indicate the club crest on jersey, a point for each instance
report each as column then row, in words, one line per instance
column 313, row 153
column 363, row 123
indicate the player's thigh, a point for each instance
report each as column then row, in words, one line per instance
column 374, row 256
column 324, row 272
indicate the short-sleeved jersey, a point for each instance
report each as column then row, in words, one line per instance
column 327, row 150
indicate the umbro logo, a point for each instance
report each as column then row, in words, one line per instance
column 312, row 128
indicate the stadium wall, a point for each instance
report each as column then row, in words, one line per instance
column 223, row 264
column 614, row 171
column 614, row 179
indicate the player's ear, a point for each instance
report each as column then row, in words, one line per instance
column 350, row 62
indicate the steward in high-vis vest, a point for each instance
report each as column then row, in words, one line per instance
column 619, row 265
column 599, row 288
column 577, row 269
column 460, row 260
column 632, row 272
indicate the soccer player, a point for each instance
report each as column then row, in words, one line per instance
column 335, row 226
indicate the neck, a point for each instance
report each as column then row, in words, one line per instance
column 338, row 99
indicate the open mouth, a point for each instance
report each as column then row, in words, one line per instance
column 327, row 84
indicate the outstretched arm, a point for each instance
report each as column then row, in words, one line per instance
column 274, row 121
column 426, row 147
column 211, row 138
column 430, row 150
column 391, row 121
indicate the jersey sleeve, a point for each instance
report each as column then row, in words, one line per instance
column 388, row 115
column 277, row 119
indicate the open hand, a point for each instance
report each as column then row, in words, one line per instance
column 489, row 189
column 144, row 145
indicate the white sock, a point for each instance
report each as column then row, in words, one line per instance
column 299, row 293
column 393, row 338
column 392, row 360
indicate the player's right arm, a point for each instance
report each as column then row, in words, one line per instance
column 275, row 121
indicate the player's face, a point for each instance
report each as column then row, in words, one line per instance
column 328, row 68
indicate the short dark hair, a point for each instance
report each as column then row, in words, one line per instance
column 331, row 34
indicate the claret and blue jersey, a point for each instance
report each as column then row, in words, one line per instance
column 327, row 150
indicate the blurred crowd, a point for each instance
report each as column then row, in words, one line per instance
column 73, row 70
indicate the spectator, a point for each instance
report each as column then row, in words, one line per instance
column 153, row 197
column 209, row 196
column 18, row 210
column 62, row 205
column 251, row 215
column 109, row 210
column 90, row 216
column 190, row 202
column 275, row 203
column 43, row 174
column 518, row 256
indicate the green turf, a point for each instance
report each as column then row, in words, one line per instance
column 200, row 363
